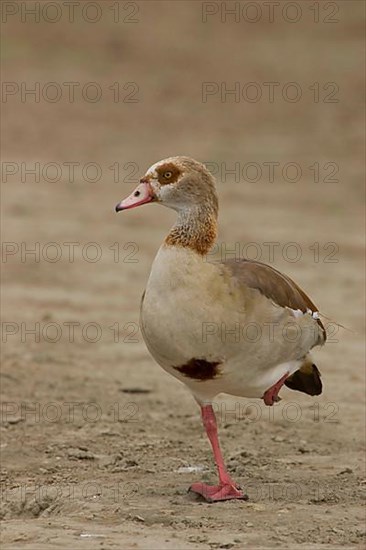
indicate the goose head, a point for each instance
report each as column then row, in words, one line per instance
column 180, row 183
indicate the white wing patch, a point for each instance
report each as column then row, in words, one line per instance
column 299, row 313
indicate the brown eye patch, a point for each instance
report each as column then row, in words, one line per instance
column 168, row 173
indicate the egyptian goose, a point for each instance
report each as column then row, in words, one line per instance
column 192, row 307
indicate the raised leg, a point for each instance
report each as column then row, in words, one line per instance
column 226, row 489
column 271, row 396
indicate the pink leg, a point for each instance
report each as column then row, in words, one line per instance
column 271, row 396
column 226, row 489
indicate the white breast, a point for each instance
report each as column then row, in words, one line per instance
column 176, row 304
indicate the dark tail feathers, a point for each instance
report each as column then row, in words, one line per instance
column 306, row 379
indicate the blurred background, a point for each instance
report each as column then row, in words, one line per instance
column 270, row 96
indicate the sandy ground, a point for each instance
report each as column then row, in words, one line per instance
column 98, row 444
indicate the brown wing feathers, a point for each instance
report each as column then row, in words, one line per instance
column 274, row 285
column 286, row 293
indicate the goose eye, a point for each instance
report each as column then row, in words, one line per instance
column 168, row 175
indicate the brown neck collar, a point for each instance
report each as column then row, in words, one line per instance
column 195, row 228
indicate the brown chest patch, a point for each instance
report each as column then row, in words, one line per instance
column 168, row 173
column 200, row 369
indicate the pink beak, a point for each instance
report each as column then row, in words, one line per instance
column 141, row 195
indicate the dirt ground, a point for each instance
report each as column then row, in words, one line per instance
column 98, row 444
